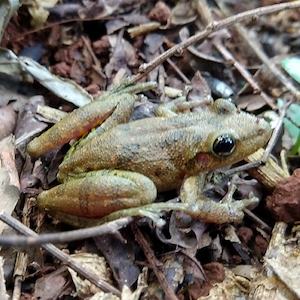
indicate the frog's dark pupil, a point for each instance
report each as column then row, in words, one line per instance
column 224, row 145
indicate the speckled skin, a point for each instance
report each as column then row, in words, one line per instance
column 168, row 149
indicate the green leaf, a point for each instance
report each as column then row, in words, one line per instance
column 292, row 126
column 292, row 67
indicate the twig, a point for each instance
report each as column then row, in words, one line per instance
column 243, row 71
column 97, row 64
column 276, row 132
column 260, row 222
column 170, row 295
column 195, row 261
column 212, row 27
column 205, row 14
column 283, row 161
column 245, row 167
column 77, row 267
column 63, row 237
column 178, row 71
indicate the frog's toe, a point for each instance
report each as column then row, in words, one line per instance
column 244, row 203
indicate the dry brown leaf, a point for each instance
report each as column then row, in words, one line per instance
column 51, row 286
column 39, row 12
column 9, row 119
column 182, row 13
column 95, row 263
column 9, row 179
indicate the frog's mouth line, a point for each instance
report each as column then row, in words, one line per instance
column 256, row 141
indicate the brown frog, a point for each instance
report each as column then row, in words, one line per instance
column 119, row 166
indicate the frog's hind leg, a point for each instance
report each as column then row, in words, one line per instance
column 98, row 193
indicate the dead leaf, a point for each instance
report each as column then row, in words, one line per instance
column 51, row 286
column 9, row 119
column 200, row 89
column 38, row 11
column 28, row 124
column 182, row 13
column 115, row 25
column 7, row 9
column 282, row 265
column 9, row 179
column 251, row 103
column 62, row 87
column 95, row 263
column 120, row 256
column 123, row 55
column 161, row 12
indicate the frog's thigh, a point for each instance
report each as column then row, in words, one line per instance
column 98, row 195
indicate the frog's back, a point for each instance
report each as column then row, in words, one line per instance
column 168, row 149
column 154, row 149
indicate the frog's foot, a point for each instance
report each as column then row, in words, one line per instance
column 226, row 211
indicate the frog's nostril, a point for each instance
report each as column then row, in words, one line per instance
column 261, row 131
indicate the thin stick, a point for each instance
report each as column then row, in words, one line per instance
column 260, row 222
column 77, row 267
column 178, row 71
column 218, row 39
column 243, row 71
column 276, row 132
column 64, row 237
column 154, row 263
column 22, row 257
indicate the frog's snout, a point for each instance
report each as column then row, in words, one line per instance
column 261, row 133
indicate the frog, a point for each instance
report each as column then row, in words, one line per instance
column 119, row 167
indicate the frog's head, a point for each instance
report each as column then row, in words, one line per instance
column 232, row 136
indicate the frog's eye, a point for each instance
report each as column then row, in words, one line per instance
column 224, row 145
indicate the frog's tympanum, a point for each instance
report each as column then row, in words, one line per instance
column 119, row 166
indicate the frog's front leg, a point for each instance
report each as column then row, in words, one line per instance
column 98, row 193
column 112, row 108
column 110, row 112
column 179, row 105
column 205, row 209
